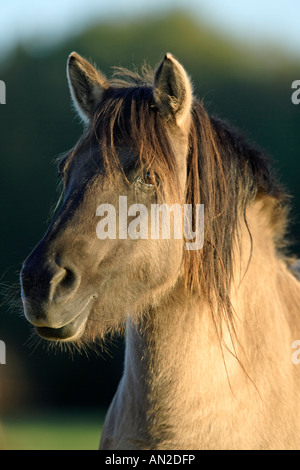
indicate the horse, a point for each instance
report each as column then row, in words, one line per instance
column 209, row 328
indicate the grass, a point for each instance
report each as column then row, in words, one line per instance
column 52, row 431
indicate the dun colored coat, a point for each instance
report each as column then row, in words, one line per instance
column 209, row 332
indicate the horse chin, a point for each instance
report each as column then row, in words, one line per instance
column 71, row 331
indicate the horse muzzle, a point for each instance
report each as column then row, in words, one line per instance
column 51, row 299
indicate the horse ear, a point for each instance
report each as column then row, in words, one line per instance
column 173, row 90
column 86, row 85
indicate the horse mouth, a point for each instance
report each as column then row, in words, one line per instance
column 69, row 332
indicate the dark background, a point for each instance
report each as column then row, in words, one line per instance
column 248, row 87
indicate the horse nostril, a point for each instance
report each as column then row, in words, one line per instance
column 63, row 284
column 69, row 279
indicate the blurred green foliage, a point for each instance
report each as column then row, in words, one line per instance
column 249, row 88
column 58, row 430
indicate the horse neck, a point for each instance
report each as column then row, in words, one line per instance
column 262, row 283
column 175, row 363
column 167, row 356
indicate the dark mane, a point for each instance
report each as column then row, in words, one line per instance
column 224, row 173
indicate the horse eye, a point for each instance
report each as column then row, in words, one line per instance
column 149, row 178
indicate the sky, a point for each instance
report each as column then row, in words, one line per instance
column 267, row 21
